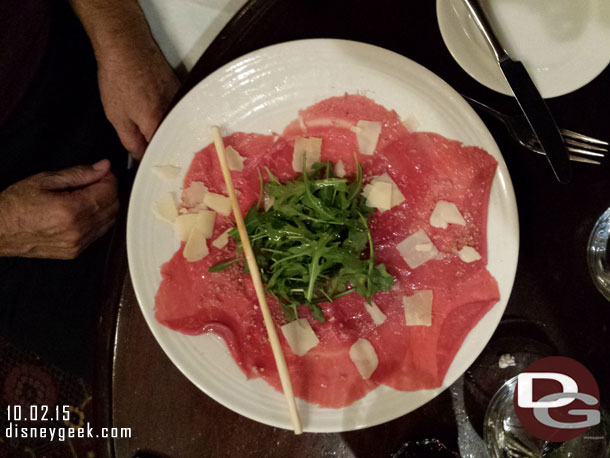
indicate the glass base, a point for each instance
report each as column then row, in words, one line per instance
column 597, row 254
column 506, row 438
column 503, row 434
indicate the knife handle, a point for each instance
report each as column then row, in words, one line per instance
column 484, row 26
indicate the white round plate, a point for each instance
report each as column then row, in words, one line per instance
column 261, row 92
column 564, row 44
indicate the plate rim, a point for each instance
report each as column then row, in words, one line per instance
column 491, row 80
column 475, row 120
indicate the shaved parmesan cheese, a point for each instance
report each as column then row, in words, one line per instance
column 397, row 195
column 202, row 222
column 196, row 247
column 379, row 195
column 222, row 240
column 193, row 195
column 234, row 160
column 367, row 135
column 412, row 255
column 165, row 208
column 340, row 169
column 300, row 336
column 184, row 224
column 166, row 172
column 310, row 147
column 218, row 203
column 205, row 222
column 364, row 357
column 411, row 123
column 446, row 213
column 268, row 202
column 377, row 315
column 469, row 254
column 329, row 122
column 382, row 193
column 418, row 308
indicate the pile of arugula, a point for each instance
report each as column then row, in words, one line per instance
column 313, row 244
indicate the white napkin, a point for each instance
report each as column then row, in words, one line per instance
column 185, row 28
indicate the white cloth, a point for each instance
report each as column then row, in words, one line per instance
column 185, row 28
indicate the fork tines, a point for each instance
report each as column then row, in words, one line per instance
column 583, row 138
column 584, row 145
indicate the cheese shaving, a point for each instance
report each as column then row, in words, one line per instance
column 446, row 213
column 300, row 336
column 165, row 208
column 418, row 308
column 222, row 240
column 234, row 160
column 340, row 169
column 218, row 203
column 193, row 195
column 166, row 172
column 376, row 314
column 469, row 254
column 364, row 357
column 196, row 247
column 416, row 257
column 311, row 147
column 367, row 136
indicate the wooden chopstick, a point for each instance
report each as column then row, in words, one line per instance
column 280, row 361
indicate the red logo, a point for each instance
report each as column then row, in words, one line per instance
column 557, row 399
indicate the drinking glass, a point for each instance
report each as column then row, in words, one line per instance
column 506, row 438
column 597, row 254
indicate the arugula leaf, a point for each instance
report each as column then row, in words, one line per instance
column 313, row 244
column 223, row 265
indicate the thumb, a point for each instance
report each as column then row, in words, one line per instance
column 74, row 177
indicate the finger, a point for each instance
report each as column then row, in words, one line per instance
column 100, row 218
column 148, row 125
column 83, row 205
column 169, row 85
column 106, row 215
column 101, row 194
column 51, row 252
column 90, row 228
column 75, row 177
column 132, row 139
column 104, row 220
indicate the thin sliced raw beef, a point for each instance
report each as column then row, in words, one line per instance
column 427, row 168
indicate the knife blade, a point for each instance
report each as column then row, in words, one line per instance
column 528, row 97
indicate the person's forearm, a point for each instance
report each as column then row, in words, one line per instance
column 114, row 24
column 136, row 82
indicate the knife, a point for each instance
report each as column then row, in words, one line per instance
column 529, row 99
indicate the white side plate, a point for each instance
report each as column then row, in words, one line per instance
column 564, row 44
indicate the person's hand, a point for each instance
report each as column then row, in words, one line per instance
column 136, row 82
column 136, row 86
column 58, row 214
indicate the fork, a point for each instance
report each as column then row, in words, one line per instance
column 578, row 144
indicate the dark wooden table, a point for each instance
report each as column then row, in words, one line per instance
column 554, row 307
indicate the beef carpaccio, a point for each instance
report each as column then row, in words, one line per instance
column 427, row 168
